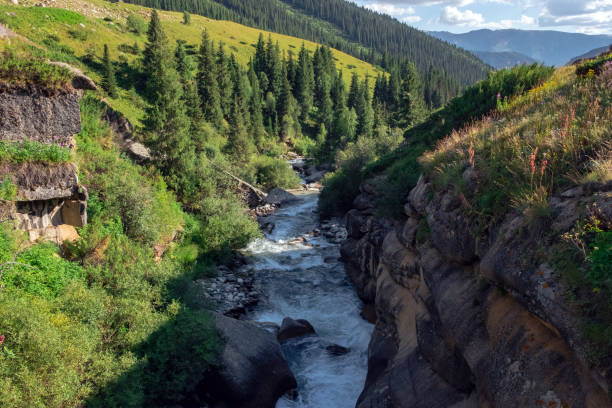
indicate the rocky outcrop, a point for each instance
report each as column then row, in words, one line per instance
column 467, row 319
column 253, row 373
column 278, row 196
column 123, row 135
column 49, row 201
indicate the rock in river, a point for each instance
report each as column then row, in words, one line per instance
column 254, row 372
column 291, row 328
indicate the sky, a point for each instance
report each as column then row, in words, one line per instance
column 458, row 16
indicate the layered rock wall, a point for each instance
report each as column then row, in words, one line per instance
column 49, row 200
column 467, row 319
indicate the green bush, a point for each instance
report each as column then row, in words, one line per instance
column 8, row 189
column 342, row 186
column 16, row 68
column 33, row 152
column 78, row 34
column 271, row 172
column 40, row 271
column 136, row 24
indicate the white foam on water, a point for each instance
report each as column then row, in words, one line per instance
column 296, row 282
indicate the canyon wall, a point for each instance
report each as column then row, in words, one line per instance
column 470, row 319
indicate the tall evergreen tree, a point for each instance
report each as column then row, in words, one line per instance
column 224, row 80
column 260, row 63
column 190, row 93
column 363, row 109
column 165, row 121
column 256, row 127
column 208, row 87
column 109, row 83
column 239, row 143
column 304, row 82
column 412, row 106
column 354, row 92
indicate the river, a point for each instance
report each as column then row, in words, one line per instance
column 305, row 280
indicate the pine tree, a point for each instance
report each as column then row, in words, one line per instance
column 165, row 122
column 283, row 104
column 109, row 84
column 208, row 87
column 325, row 106
column 260, row 64
column 274, row 67
column 256, row 127
column 412, row 106
column 186, row 18
column 354, row 92
column 363, row 109
column 190, row 92
column 239, row 145
column 224, row 80
column 304, row 82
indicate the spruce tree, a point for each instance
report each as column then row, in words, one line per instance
column 304, row 82
column 260, row 64
column 224, row 80
column 109, row 84
column 412, row 106
column 186, row 18
column 165, row 121
column 239, row 144
column 363, row 109
column 256, row 127
column 208, row 88
column 190, row 93
column 354, row 92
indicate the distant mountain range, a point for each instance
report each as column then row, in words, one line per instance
column 504, row 59
column 549, row 47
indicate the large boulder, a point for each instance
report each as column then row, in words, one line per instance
column 291, row 328
column 278, row 196
column 253, row 373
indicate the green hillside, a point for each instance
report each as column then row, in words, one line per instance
column 361, row 32
column 89, row 25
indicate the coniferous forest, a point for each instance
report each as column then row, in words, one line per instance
column 367, row 35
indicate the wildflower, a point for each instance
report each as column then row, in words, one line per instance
column 532, row 161
column 2, row 339
column 471, row 153
column 498, row 96
column 543, row 168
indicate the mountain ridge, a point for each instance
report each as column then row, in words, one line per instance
column 546, row 46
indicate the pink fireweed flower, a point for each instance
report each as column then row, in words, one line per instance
column 543, row 168
column 2, row 339
column 471, row 154
column 532, row 160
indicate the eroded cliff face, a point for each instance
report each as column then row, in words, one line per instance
column 469, row 320
column 49, row 202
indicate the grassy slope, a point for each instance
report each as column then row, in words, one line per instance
column 33, row 23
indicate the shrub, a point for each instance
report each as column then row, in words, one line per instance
column 78, row 34
column 274, row 172
column 33, row 152
column 21, row 69
column 136, row 24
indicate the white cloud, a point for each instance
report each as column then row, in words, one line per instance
column 390, row 9
column 411, row 19
column 453, row 16
column 526, row 20
column 592, row 16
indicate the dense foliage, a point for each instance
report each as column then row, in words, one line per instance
column 402, row 167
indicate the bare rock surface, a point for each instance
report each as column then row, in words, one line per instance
column 253, row 373
column 461, row 319
column 291, row 328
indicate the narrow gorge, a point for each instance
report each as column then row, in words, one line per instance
column 465, row 319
